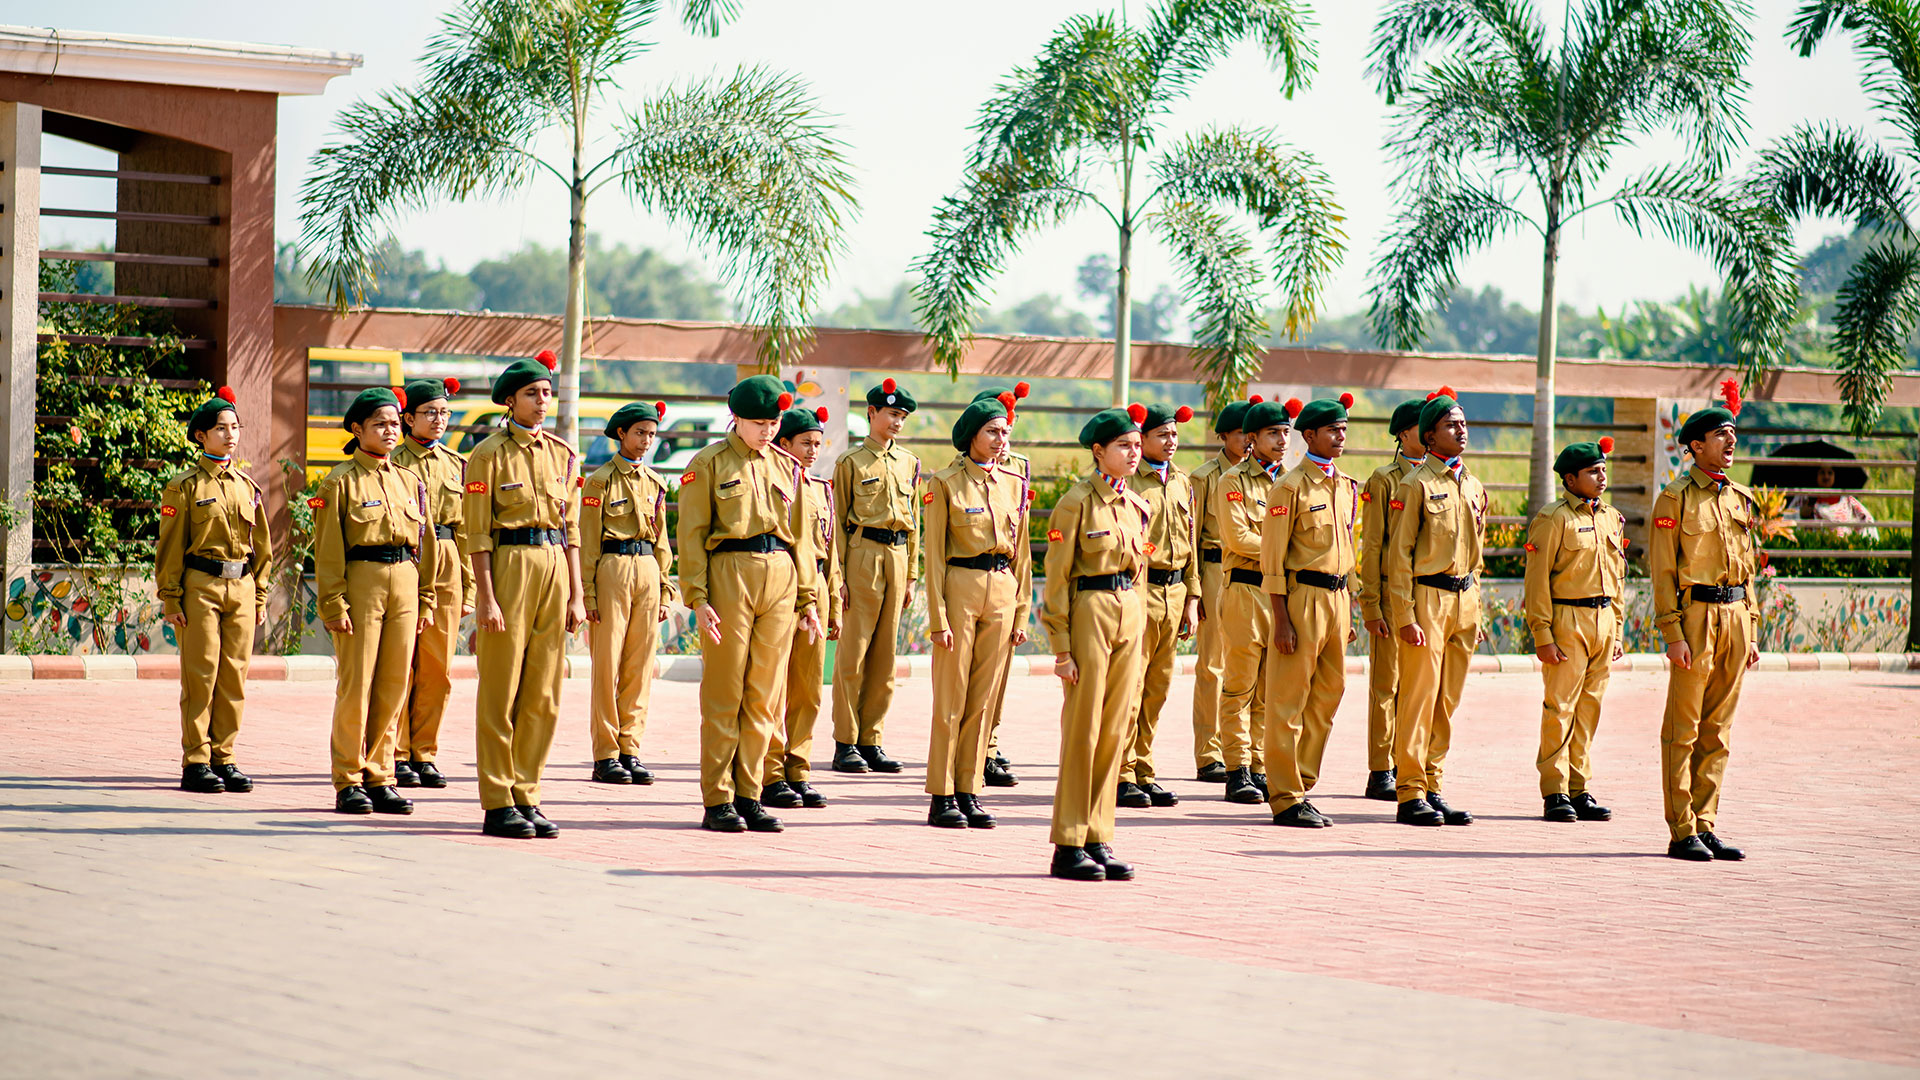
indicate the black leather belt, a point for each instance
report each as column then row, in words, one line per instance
column 994, row 562
column 1162, row 577
column 758, row 545
column 529, row 537
column 1585, row 601
column 1330, row 582
column 1106, row 582
column 443, row 532
column 626, row 547
column 1446, row 581
column 1717, row 594
column 1209, row 554
column 218, row 568
column 1240, row 575
column 380, row 553
column 894, row 537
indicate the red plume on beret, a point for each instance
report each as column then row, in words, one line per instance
column 1021, row 389
column 1182, row 414
column 786, row 402
column 1730, row 393
column 1346, row 401
column 1007, row 399
column 547, row 359
column 1606, row 444
column 452, row 385
column 400, row 395
column 225, row 394
column 888, row 386
column 820, row 414
column 1255, row 399
column 1137, row 413
column 1294, row 405
column 660, row 409
column 1444, row 391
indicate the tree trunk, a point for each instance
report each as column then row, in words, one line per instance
column 1123, row 320
column 1540, row 479
column 567, row 390
column 1913, row 561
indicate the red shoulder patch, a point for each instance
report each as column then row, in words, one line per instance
column 590, row 500
column 1366, row 496
column 1236, row 496
column 927, row 499
column 1529, row 546
column 1396, row 504
column 1149, row 548
column 579, row 481
column 476, row 487
column 1054, row 536
column 317, row 503
column 687, row 477
column 1665, row 523
column 169, row 511
column 1029, row 494
column 1278, row 511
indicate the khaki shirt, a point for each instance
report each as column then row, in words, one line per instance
column 622, row 501
column 368, row 502
column 1170, row 531
column 1701, row 535
column 817, row 519
column 214, row 511
column 873, row 488
column 1093, row 530
column 1442, row 532
column 973, row 510
column 732, row 492
column 520, row 479
column 1240, row 512
column 1204, row 479
column 445, row 473
column 1574, row 551
column 1309, row 525
column 1018, row 463
column 1376, row 525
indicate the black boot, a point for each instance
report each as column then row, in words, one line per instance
column 352, row 799
column 232, row 778
column 508, row 823
column 403, row 775
column 756, row 816
column 1689, row 849
column 542, row 828
column 1212, row 773
column 640, row 773
column 429, row 774
column 1559, row 808
column 201, row 778
column 1131, row 796
column 1074, row 864
column 1260, row 782
column 1158, row 795
column 1380, row 785
column 1113, row 868
column 1589, row 809
column 997, row 774
column 877, row 759
column 848, row 759
column 977, row 816
column 944, row 813
column 723, row 818
column 810, row 797
column 1302, row 815
column 1722, row 851
column 1418, row 812
column 1240, row 787
column 779, row 796
column 1452, row 816
column 610, row 771
column 387, row 799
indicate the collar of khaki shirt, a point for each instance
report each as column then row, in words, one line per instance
column 369, row 462
column 522, row 435
column 216, row 469
column 878, row 446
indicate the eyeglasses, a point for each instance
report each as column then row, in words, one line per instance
column 434, row 414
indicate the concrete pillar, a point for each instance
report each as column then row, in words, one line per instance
column 1643, row 474
column 19, row 321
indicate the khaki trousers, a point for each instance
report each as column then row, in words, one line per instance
column 1210, row 641
column 216, row 648
column 1699, row 715
column 1304, row 690
column 1431, row 677
column 372, row 667
column 1248, row 627
column 1570, row 711
column 743, row 676
column 869, row 628
column 1164, row 606
column 1383, row 684
column 790, row 750
column 417, row 737
column 518, row 700
column 627, row 588
column 1107, row 631
column 969, row 676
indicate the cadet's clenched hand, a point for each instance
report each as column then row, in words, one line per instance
column 1680, row 655
column 489, row 617
column 341, row 625
column 1068, row 671
column 709, row 620
column 576, row 615
column 942, row 638
column 1413, row 635
column 1379, row 628
column 1550, row 654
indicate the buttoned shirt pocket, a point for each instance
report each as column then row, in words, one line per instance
column 248, row 512
column 1580, row 535
column 513, row 494
column 1699, row 518
column 615, row 508
column 730, row 489
column 1441, row 510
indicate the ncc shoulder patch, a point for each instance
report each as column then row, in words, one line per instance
column 169, row 511
column 687, row 477
column 1149, row 548
column 1236, row 496
column 1277, row 511
column 1366, row 496
column 1529, row 546
column 1396, row 504
column 590, row 500
column 927, row 499
column 1054, row 536
column 476, row 487
column 1665, row 523
column 318, row 502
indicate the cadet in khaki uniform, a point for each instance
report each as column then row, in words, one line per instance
column 417, row 742
column 1307, row 560
column 1210, row 647
column 1433, row 559
column 1383, row 649
column 1576, row 590
column 979, row 578
column 999, row 771
column 790, row 751
column 625, row 561
column 743, row 542
column 875, row 506
column 523, row 534
column 1700, row 566
column 1172, row 595
column 1246, row 618
column 373, row 561
column 212, row 568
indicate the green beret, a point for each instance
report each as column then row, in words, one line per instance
column 1265, row 414
column 521, row 372
column 1019, row 391
column 1323, row 411
column 632, row 413
column 1703, row 423
column 1405, row 415
column 891, row 395
column 420, row 391
column 1162, row 415
column 759, row 397
column 208, row 413
column 1580, row 455
column 795, row 422
column 366, row 404
column 979, row 414
column 1232, row 416
column 1109, row 424
column 1436, row 409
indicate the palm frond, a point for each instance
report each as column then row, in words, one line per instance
column 1222, row 284
column 1879, row 309
column 1185, row 38
column 1888, row 32
column 530, row 54
column 1444, row 220
column 745, row 163
column 1462, row 109
column 707, row 17
column 1822, row 169
column 1640, row 65
column 1481, row 29
column 1082, row 91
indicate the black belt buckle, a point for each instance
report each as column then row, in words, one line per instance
column 763, row 544
column 379, row 553
column 1162, row 577
column 1447, row 582
column 626, row 547
column 1329, row 582
column 1718, row 594
column 1585, row 601
column 1106, row 582
column 530, row 537
column 992, row 562
column 219, row 568
column 890, row 537
column 1209, row 554
column 1240, row 575
column 443, row 532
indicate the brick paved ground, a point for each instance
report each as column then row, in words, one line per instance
column 150, row 929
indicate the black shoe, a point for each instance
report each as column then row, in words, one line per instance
column 1452, row 816
column 542, row 828
column 1418, row 812
column 809, row 796
column 429, row 774
column 1131, row 796
column 944, row 813
column 403, row 775
column 352, row 799
column 1212, row 773
column 723, row 818
column 756, row 816
column 1240, row 787
column 1302, row 815
column 640, row 773
column 1690, row 849
column 1380, row 785
column 1074, row 864
column 877, row 759
column 388, row 800
column 780, row 796
column 232, row 779
column 997, row 774
column 1260, row 783
column 1589, row 808
column 201, row 778
column 1559, row 808
column 847, row 759
column 977, row 816
column 1113, row 868
column 1722, row 851
column 1158, row 795
column 508, row 823
column 610, row 771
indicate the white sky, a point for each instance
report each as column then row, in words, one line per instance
column 903, row 81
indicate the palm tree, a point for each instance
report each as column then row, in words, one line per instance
column 1090, row 108
column 745, row 163
column 1495, row 108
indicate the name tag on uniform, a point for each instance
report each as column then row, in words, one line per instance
column 871, row 480
column 975, row 509
column 1311, row 509
column 371, row 502
column 515, row 484
column 730, row 483
column 203, row 502
column 1098, row 535
column 616, row 502
column 1584, row 528
column 1437, row 497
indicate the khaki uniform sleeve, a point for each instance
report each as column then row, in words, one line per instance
column 806, row 552
column 171, row 547
column 330, row 554
column 1190, row 569
column 842, row 504
column 476, row 506
column 429, row 552
column 592, row 506
column 1663, row 566
column 1373, row 541
column 467, row 588
column 935, row 519
column 1057, row 601
column 913, row 518
column 575, row 482
column 1238, row 533
column 1023, row 564
column 1543, row 548
column 834, row 580
column 1283, row 505
column 1398, row 555
column 696, row 519
column 262, row 550
column 662, row 546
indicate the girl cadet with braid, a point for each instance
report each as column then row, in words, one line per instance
column 1093, row 616
column 374, row 568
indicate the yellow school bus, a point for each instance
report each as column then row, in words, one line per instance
column 334, row 378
